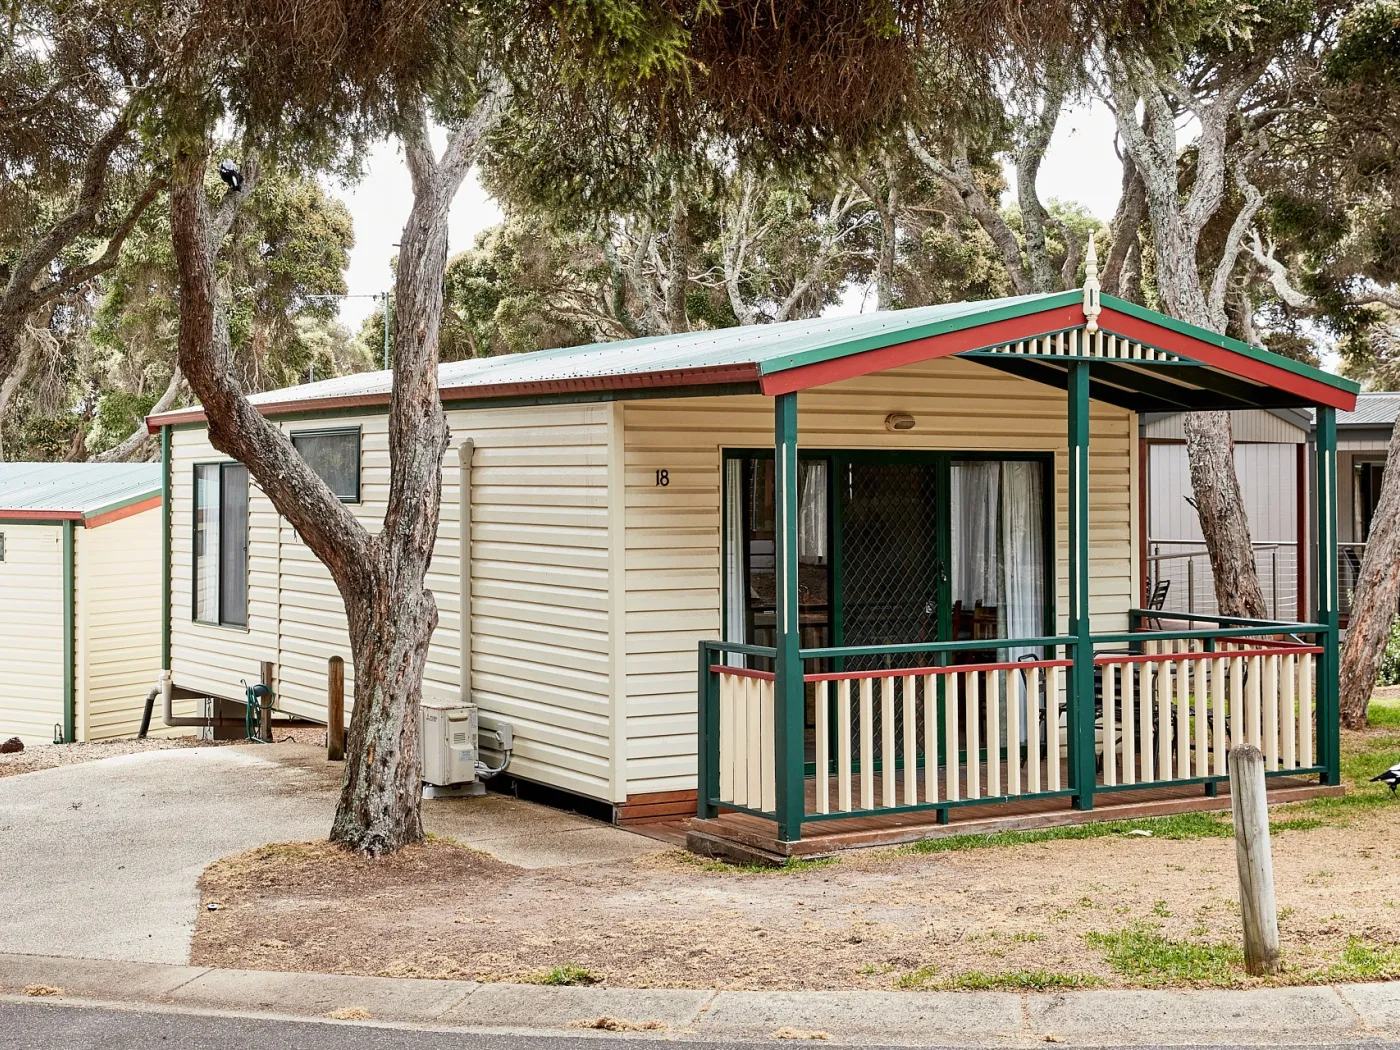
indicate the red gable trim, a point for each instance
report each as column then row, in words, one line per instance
column 1032, row 325
column 122, row 512
column 41, row 515
column 926, row 349
column 1226, row 360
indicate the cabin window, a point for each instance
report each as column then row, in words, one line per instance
column 2, row 546
column 335, row 457
column 221, row 544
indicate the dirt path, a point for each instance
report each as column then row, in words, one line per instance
column 1029, row 914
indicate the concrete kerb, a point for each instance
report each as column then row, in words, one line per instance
column 1292, row 1016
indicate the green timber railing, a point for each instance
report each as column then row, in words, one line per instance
column 923, row 731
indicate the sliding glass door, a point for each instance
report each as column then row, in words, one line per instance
column 895, row 548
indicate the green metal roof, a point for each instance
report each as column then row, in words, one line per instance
column 81, row 490
column 752, row 353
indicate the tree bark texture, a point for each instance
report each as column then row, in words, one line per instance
column 1177, row 224
column 1210, row 450
column 1132, row 207
column 381, row 578
column 1373, row 603
column 678, row 265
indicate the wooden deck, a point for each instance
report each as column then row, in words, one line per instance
column 742, row 837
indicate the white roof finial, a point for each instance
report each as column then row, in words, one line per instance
column 1091, row 288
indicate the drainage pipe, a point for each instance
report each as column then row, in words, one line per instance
column 464, row 566
column 166, row 686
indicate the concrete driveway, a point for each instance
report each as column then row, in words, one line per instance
column 102, row 859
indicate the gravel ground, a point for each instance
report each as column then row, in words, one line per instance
column 46, row 756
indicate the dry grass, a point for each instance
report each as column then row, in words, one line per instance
column 1117, row 910
column 618, row 1024
column 351, row 1013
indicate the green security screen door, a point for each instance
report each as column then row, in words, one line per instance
column 891, row 569
column 894, row 548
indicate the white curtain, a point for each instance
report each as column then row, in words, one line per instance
column 973, row 536
column 811, row 514
column 1022, row 568
column 735, row 599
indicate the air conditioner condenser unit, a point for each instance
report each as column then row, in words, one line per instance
column 452, row 767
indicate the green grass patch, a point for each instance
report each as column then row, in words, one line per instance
column 1383, row 714
column 920, row 980
column 1296, row 824
column 1029, row 980
column 1143, row 954
column 1179, row 826
column 565, row 975
column 1363, row 960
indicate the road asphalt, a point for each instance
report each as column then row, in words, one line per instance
column 31, row 1025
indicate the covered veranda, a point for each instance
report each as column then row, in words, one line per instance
column 813, row 739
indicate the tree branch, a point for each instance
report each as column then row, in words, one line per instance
column 1229, row 254
column 1278, row 275
column 235, row 426
column 960, row 178
column 139, row 439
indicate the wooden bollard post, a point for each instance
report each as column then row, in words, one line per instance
column 265, row 710
column 1253, row 856
column 335, row 710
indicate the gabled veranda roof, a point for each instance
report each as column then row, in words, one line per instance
column 1141, row 360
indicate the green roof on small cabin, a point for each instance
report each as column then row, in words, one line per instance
column 794, row 355
column 78, row 491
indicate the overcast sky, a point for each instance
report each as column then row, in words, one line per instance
column 1080, row 166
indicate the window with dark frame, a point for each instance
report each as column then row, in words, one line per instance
column 220, row 550
column 335, row 457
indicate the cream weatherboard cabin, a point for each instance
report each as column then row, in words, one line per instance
column 852, row 576
column 80, row 598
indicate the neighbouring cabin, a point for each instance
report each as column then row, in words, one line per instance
column 80, row 598
column 904, row 547
column 1274, row 457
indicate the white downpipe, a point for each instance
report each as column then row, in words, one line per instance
column 464, row 565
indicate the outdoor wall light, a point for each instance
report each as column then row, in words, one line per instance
column 897, row 421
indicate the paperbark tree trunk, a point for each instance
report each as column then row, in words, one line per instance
column 1177, row 224
column 381, row 578
column 1373, row 603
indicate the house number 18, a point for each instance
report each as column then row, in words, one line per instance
column 663, row 477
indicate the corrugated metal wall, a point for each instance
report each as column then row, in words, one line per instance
column 1176, row 551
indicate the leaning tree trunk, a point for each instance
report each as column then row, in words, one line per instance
column 382, row 579
column 1210, row 443
column 1373, row 602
